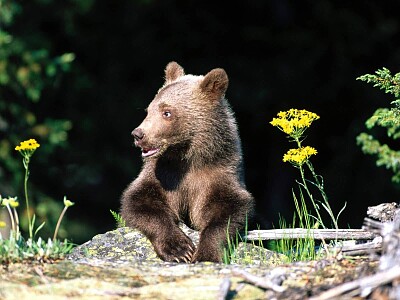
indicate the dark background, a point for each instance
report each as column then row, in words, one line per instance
column 278, row 55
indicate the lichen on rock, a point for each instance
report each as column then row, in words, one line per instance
column 127, row 245
column 119, row 245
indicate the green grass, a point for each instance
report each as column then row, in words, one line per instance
column 299, row 249
column 247, row 255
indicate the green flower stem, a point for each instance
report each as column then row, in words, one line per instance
column 11, row 218
column 311, row 197
column 322, row 191
column 318, row 183
column 26, row 165
column 297, row 139
column 59, row 222
column 17, row 233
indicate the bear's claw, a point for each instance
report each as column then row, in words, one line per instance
column 175, row 248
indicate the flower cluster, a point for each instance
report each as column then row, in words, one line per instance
column 31, row 144
column 300, row 155
column 294, row 121
column 11, row 201
column 26, row 149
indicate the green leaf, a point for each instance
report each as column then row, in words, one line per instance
column 118, row 218
column 39, row 227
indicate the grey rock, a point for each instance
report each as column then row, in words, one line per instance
column 126, row 245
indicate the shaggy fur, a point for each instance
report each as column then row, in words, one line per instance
column 191, row 171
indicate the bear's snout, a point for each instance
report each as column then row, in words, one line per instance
column 137, row 134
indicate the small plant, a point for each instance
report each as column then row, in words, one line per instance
column 246, row 255
column 294, row 123
column 299, row 249
column 118, row 218
column 67, row 203
column 16, row 248
column 388, row 118
column 26, row 149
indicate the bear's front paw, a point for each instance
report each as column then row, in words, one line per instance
column 175, row 248
column 207, row 252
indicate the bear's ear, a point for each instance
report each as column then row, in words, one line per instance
column 173, row 71
column 215, row 83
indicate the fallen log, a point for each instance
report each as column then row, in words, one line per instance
column 318, row 234
column 363, row 248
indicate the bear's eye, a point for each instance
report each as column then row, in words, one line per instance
column 167, row 114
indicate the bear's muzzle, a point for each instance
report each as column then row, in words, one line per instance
column 137, row 134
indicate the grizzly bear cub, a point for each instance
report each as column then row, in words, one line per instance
column 191, row 171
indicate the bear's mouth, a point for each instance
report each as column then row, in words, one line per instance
column 146, row 152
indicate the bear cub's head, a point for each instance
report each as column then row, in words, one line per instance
column 189, row 112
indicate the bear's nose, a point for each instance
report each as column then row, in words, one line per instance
column 138, row 134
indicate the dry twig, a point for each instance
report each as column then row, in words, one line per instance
column 224, row 289
column 362, row 286
column 261, row 282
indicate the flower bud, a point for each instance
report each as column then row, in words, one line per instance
column 67, row 202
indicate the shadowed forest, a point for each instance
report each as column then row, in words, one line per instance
column 78, row 75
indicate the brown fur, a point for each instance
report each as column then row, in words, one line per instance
column 195, row 172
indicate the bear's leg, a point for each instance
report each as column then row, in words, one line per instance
column 212, row 240
column 225, row 207
column 144, row 207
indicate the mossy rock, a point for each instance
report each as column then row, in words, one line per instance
column 120, row 245
column 124, row 245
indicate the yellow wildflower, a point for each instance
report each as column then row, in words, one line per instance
column 4, row 202
column 31, row 144
column 10, row 201
column 3, row 224
column 13, row 202
column 300, row 155
column 67, row 202
column 294, row 121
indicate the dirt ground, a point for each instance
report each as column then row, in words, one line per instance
column 64, row 279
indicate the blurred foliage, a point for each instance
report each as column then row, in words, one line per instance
column 388, row 118
column 27, row 69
